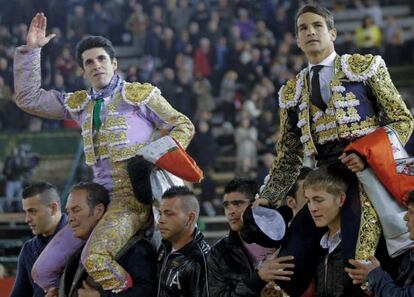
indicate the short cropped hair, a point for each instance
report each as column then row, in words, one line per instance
column 319, row 10
column 45, row 190
column 304, row 171
column 246, row 186
column 187, row 197
column 89, row 42
column 96, row 194
column 327, row 178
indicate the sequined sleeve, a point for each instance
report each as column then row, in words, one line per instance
column 30, row 97
column 183, row 128
column 289, row 156
column 397, row 115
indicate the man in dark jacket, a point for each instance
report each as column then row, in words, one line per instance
column 236, row 268
column 41, row 204
column 86, row 205
column 378, row 281
column 182, row 267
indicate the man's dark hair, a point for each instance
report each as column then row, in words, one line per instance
column 246, row 186
column 319, row 10
column 189, row 204
column 45, row 190
column 304, row 171
column 411, row 197
column 96, row 194
column 89, row 42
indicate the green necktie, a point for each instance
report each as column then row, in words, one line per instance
column 97, row 114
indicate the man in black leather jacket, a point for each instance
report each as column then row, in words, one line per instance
column 234, row 267
column 182, row 268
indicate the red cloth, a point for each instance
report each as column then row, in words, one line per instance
column 377, row 150
column 6, row 285
column 179, row 163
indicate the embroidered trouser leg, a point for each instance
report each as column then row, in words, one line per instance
column 123, row 218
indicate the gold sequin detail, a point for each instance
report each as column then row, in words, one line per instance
column 389, row 99
column 112, row 123
column 183, row 130
column 87, row 135
column 77, row 100
column 286, row 166
column 353, row 128
column 117, row 137
column 123, row 218
column 124, row 153
column 359, row 64
column 288, row 91
column 369, row 229
column 137, row 92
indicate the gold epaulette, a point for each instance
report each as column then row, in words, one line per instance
column 289, row 93
column 360, row 67
column 136, row 93
column 77, row 101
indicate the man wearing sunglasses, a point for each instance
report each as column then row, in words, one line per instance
column 236, row 268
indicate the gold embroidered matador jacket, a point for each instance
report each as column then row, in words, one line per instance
column 363, row 98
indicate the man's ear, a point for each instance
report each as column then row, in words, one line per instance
column 342, row 198
column 54, row 206
column 191, row 219
column 115, row 63
column 333, row 34
column 291, row 202
column 99, row 210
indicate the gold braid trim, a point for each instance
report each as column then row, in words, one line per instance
column 286, row 166
column 369, row 228
column 397, row 115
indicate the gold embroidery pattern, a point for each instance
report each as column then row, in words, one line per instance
column 183, row 130
column 137, row 92
column 117, row 138
column 369, row 229
column 286, row 166
column 397, row 114
column 345, row 131
column 77, row 101
column 123, row 218
column 116, row 123
column 359, row 64
column 124, row 153
column 87, row 135
column 287, row 93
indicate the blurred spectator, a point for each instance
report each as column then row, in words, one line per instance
column 279, row 23
column 17, row 171
column 245, row 24
column 246, row 138
column 181, row 15
column 368, row 37
column 99, row 20
column 203, row 147
column 167, row 49
column 208, row 193
column 5, row 71
column 137, row 24
column 265, row 162
column 78, row 22
column 205, row 101
column 409, row 48
column 201, row 15
column 203, row 64
column 228, row 90
column 225, row 139
column 347, row 46
column 66, row 64
column 394, row 51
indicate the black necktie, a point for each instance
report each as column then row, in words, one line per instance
column 316, row 88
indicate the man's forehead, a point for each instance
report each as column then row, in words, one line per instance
column 309, row 17
column 94, row 52
column 77, row 197
column 234, row 196
column 33, row 201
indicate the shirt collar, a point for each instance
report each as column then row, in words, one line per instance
column 330, row 244
column 327, row 62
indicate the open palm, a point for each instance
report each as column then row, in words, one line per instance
column 36, row 36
